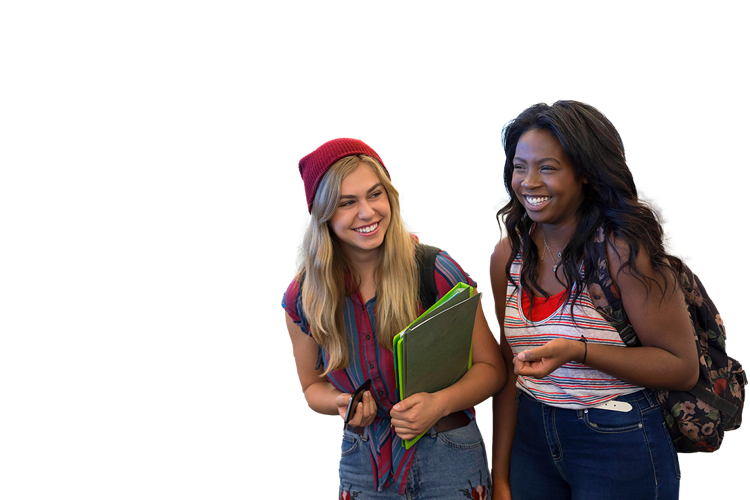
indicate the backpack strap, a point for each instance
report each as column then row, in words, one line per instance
column 607, row 298
column 712, row 399
column 428, row 291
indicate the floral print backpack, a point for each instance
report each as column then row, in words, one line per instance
column 697, row 418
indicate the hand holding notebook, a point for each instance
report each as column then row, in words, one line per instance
column 413, row 416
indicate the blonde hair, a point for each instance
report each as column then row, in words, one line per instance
column 324, row 266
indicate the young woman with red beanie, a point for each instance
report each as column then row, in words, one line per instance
column 357, row 287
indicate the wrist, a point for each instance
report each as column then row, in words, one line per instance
column 441, row 401
column 582, row 350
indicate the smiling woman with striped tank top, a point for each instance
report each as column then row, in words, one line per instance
column 580, row 422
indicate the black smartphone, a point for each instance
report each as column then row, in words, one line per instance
column 355, row 399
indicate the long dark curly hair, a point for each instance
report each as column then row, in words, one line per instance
column 610, row 198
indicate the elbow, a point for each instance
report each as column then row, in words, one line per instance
column 309, row 401
column 508, row 382
column 313, row 397
column 692, row 378
column 502, row 379
column 493, row 378
column 505, row 375
column 692, row 370
column 687, row 379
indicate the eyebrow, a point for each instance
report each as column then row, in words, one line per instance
column 352, row 197
column 541, row 160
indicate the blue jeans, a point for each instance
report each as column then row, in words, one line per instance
column 593, row 454
column 446, row 465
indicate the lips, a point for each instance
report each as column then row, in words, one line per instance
column 535, row 201
column 367, row 229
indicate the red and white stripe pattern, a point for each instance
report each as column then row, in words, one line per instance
column 573, row 385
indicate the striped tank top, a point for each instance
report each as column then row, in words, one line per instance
column 573, row 385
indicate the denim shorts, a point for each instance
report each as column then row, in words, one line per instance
column 450, row 464
column 593, row 454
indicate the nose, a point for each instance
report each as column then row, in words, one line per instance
column 531, row 179
column 366, row 211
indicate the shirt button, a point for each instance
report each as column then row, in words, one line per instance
column 371, row 366
column 380, row 393
column 368, row 337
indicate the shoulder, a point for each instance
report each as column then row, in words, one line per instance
column 499, row 259
column 448, row 273
column 617, row 248
column 292, row 304
column 634, row 270
column 292, row 292
column 619, row 253
column 500, row 255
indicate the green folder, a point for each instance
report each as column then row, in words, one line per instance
column 434, row 351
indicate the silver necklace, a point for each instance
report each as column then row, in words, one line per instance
column 559, row 254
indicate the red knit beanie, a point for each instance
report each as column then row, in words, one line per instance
column 313, row 166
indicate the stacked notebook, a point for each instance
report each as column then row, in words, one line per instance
column 434, row 351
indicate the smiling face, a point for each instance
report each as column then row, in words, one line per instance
column 363, row 213
column 544, row 179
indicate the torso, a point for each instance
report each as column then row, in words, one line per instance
column 573, row 385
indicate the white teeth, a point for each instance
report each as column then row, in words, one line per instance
column 367, row 229
column 538, row 200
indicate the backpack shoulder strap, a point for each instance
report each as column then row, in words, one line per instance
column 606, row 297
column 426, row 255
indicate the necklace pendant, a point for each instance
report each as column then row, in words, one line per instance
column 554, row 268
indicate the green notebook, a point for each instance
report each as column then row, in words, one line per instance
column 434, row 351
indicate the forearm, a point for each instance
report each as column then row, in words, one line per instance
column 479, row 383
column 644, row 366
column 321, row 397
column 504, row 409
